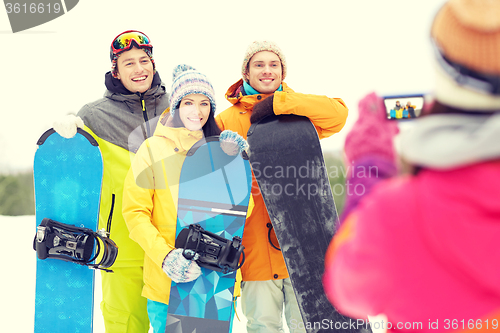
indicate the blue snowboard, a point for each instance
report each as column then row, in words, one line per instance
column 67, row 177
column 214, row 190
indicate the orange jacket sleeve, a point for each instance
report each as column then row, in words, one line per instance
column 328, row 115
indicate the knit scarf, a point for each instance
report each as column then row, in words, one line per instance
column 249, row 90
column 449, row 141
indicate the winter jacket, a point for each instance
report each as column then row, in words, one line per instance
column 428, row 252
column 422, row 249
column 120, row 121
column 150, row 201
column 411, row 111
column 328, row 115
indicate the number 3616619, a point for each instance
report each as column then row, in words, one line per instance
column 471, row 324
column 32, row 8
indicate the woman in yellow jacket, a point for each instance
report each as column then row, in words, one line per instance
column 266, row 286
column 151, row 188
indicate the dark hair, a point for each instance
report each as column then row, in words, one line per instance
column 209, row 129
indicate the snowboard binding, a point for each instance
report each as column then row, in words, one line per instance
column 56, row 240
column 215, row 252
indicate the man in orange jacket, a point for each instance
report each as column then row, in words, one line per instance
column 266, row 286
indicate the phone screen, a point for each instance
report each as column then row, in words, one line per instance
column 404, row 107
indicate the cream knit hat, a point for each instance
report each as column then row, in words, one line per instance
column 259, row 46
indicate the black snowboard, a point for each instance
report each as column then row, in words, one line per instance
column 288, row 164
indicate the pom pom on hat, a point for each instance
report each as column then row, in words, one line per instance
column 187, row 81
column 180, row 69
column 466, row 34
column 259, row 46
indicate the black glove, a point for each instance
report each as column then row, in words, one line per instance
column 262, row 109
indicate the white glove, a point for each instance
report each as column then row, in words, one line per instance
column 68, row 125
column 232, row 143
column 180, row 269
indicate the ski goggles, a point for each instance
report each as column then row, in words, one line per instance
column 124, row 41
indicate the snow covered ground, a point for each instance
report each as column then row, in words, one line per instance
column 17, row 280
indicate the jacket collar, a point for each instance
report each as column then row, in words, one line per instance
column 182, row 138
column 234, row 95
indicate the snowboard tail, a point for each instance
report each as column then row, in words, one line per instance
column 183, row 324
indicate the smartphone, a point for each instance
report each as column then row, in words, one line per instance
column 404, row 107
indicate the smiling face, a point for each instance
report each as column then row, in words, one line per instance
column 194, row 111
column 264, row 72
column 135, row 70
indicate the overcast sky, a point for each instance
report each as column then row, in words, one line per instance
column 337, row 48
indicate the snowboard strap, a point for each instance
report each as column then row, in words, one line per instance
column 216, row 252
column 270, row 227
column 56, row 240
